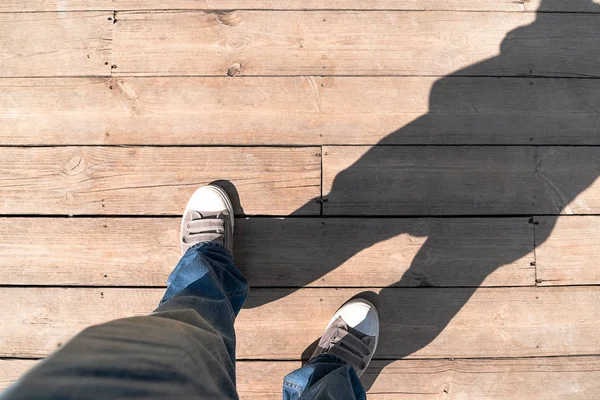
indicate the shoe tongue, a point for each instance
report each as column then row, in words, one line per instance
column 194, row 215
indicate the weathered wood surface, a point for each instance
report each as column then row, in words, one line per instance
column 460, row 180
column 422, row 323
column 478, row 5
column 153, row 180
column 11, row 370
column 298, row 111
column 517, row 378
column 279, row 43
column 520, row 378
column 421, row 5
column 55, row 44
column 568, row 250
column 273, row 252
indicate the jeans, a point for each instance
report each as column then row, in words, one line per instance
column 184, row 349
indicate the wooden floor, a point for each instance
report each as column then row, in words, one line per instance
column 442, row 155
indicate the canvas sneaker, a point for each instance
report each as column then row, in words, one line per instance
column 208, row 217
column 352, row 334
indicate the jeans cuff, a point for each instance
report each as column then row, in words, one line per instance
column 210, row 244
column 326, row 358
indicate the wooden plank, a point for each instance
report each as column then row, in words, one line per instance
column 155, row 180
column 445, row 180
column 56, row 44
column 160, row 111
column 423, row 323
column 516, row 378
column 568, row 176
column 458, row 110
column 478, row 5
column 75, row 5
column 274, row 252
column 279, row 43
column 416, row 323
column 298, row 111
column 568, row 250
column 11, row 370
column 387, row 252
column 559, row 378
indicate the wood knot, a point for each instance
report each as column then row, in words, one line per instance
column 235, row 69
column 230, row 18
column 75, row 165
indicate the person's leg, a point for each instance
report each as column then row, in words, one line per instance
column 184, row 349
column 342, row 355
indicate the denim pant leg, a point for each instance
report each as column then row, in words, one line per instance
column 185, row 349
column 324, row 377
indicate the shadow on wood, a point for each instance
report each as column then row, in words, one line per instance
column 464, row 181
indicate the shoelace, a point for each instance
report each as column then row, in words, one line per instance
column 205, row 227
column 348, row 347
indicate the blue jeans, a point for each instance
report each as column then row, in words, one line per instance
column 184, row 349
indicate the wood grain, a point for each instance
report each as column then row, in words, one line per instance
column 274, row 252
column 298, row 111
column 11, row 370
column 148, row 180
column 568, row 250
column 478, row 5
column 515, row 378
column 460, row 180
column 372, row 252
column 56, row 44
column 569, row 178
column 279, row 43
column 421, row 323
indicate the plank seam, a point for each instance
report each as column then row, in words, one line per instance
column 221, row 10
column 535, row 224
column 315, row 216
column 139, row 76
column 119, row 75
column 263, row 287
column 321, row 199
column 142, row 75
column 285, row 146
column 451, row 359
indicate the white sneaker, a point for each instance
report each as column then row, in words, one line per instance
column 352, row 334
column 208, row 217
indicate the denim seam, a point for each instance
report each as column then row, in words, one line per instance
column 292, row 385
column 238, row 293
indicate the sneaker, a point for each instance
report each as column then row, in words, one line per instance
column 208, row 217
column 352, row 334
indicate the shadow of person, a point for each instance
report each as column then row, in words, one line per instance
column 522, row 180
